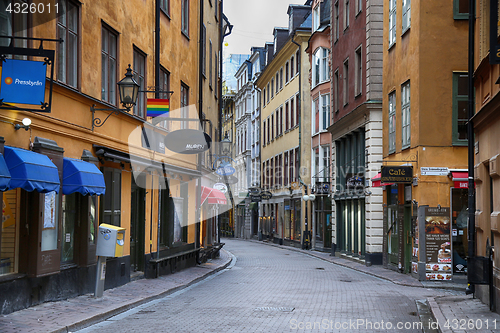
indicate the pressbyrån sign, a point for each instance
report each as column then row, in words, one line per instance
column 23, row 81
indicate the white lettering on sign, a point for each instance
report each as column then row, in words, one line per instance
column 195, row 146
column 28, row 83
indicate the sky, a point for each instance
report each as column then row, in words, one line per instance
column 254, row 21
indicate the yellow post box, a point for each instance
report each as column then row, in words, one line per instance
column 110, row 241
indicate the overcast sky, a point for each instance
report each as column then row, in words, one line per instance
column 254, row 21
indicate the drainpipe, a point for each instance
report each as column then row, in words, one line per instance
column 470, row 153
column 200, row 116
column 157, row 48
column 299, row 68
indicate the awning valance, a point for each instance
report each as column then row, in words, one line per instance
column 376, row 181
column 212, row 196
column 31, row 171
column 4, row 174
column 460, row 179
column 82, row 177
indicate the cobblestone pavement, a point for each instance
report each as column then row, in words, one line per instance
column 272, row 289
column 267, row 289
column 74, row 313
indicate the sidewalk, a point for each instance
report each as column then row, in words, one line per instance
column 452, row 314
column 79, row 312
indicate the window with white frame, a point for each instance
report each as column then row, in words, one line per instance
column 316, row 113
column 405, row 24
column 392, row 22
column 320, row 67
column 326, row 163
column 405, row 115
column 358, row 85
column 392, row 122
column 277, row 82
column 281, row 78
column 325, row 67
column 316, row 18
column 325, row 111
column 321, row 113
column 316, row 67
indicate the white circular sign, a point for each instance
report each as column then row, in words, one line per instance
column 221, row 187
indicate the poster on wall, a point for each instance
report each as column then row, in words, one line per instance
column 49, row 218
column 438, row 250
column 179, row 208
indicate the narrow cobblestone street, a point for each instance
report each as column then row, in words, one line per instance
column 276, row 290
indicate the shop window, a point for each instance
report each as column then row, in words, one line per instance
column 69, row 220
column 8, row 251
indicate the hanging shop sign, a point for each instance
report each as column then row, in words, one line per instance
column 23, row 81
column 22, row 85
column 153, row 140
column 321, row 188
column 266, row 195
column 188, row 141
column 396, row 174
column 225, row 170
column 255, row 198
column 438, row 255
column 221, row 187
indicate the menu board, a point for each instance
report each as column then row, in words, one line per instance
column 438, row 252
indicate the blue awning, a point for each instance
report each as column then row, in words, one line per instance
column 82, row 177
column 31, row 171
column 4, row 174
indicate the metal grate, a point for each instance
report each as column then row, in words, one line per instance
column 277, row 309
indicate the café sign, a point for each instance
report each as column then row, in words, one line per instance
column 396, row 174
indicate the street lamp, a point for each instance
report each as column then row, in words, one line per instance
column 225, row 146
column 128, row 89
column 306, row 198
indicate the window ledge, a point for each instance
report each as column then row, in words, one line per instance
column 405, row 31
column 166, row 14
column 185, row 35
column 391, row 46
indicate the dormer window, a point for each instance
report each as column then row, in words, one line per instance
column 316, row 18
column 275, row 42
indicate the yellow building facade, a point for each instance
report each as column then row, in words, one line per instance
column 423, row 87
column 286, row 134
column 149, row 188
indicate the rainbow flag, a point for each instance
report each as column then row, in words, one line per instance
column 157, row 107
